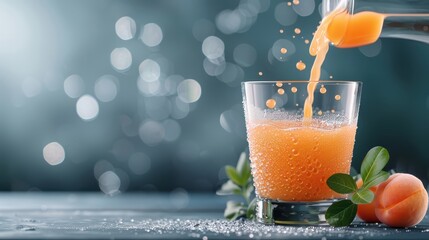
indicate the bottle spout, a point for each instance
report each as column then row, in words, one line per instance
column 330, row 5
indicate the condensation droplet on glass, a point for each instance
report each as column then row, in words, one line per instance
column 300, row 65
column 271, row 103
column 331, row 77
column 260, row 73
column 337, row 97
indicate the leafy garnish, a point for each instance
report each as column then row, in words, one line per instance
column 343, row 212
column 240, row 184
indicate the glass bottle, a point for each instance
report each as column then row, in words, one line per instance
column 362, row 22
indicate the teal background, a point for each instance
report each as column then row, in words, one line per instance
column 55, row 39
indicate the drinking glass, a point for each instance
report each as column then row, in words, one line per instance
column 292, row 156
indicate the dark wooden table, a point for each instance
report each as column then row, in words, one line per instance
column 157, row 216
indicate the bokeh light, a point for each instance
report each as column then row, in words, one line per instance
column 372, row 50
column 304, row 8
column 121, row 59
column 149, row 70
column 189, row 91
column 54, row 153
column 125, row 28
column 213, row 47
column 151, row 132
column 109, row 183
column 284, row 14
column 151, row 34
column 74, row 86
column 139, row 163
column 87, row 107
column 245, row 55
column 172, row 130
column 106, row 88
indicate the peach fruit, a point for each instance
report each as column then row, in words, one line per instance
column 366, row 212
column 401, row 201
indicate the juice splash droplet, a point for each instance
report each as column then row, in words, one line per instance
column 300, row 66
column 337, row 97
column 296, row 2
column 281, row 91
column 307, row 41
column 294, row 89
column 322, row 90
column 281, row 31
column 283, row 50
column 297, row 30
column 319, row 113
column 260, row 73
column 289, row 4
column 333, row 110
column 330, row 77
column 279, row 84
column 271, row 103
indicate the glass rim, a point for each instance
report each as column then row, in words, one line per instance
column 345, row 82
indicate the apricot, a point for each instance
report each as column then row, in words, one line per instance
column 401, row 201
column 366, row 212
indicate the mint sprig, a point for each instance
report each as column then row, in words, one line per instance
column 239, row 183
column 343, row 212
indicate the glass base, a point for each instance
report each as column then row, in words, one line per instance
column 291, row 213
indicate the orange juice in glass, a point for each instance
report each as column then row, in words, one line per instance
column 292, row 156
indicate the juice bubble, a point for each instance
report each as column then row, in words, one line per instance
column 271, row 103
column 283, row 50
column 337, row 97
column 294, row 89
column 279, row 84
column 297, row 30
column 300, row 65
column 281, row 91
column 296, row 2
column 322, row 90
column 260, row 73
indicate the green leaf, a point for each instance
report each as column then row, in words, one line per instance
column 234, row 210
column 241, row 164
column 233, row 175
column 341, row 213
column 374, row 161
column 248, row 191
column 228, row 188
column 363, row 196
column 251, row 209
column 377, row 179
column 342, row 183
